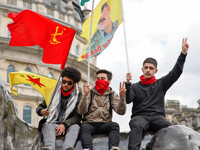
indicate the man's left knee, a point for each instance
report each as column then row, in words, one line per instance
column 115, row 126
column 75, row 127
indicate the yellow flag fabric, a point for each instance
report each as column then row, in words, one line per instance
column 41, row 83
column 107, row 17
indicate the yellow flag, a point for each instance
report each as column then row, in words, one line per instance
column 107, row 17
column 41, row 83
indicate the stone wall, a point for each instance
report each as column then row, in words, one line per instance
column 15, row 134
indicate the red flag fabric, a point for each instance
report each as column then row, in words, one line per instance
column 30, row 28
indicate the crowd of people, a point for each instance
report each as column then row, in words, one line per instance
column 72, row 113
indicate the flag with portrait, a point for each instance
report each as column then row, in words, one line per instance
column 107, row 17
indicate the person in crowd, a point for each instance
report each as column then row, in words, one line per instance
column 147, row 97
column 62, row 115
column 96, row 106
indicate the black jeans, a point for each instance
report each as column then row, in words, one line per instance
column 110, row 128
column 140, row 124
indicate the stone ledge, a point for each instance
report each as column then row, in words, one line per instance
column 100, row 142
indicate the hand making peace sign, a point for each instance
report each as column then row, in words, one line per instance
column 122, row 90
column 185, row 46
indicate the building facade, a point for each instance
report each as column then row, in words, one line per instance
column 182, row 115
column 13, row 59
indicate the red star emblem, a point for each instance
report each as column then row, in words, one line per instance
column 36, row 81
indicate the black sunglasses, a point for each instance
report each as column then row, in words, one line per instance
column 68, row 82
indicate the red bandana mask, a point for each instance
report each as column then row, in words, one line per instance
column 101, row 86
column 147, row 81
column 66, row 93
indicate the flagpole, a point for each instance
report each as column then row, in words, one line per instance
column 88, row 82
column 127, row 58
column 54, row 92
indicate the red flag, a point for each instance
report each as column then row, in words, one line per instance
column 30, row 28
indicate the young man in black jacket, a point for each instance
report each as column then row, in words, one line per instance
column 147, row 96
column 62, row 116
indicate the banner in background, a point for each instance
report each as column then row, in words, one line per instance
column 106, row 19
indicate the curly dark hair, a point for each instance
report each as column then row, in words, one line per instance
column 71, row 73
column 109, row 74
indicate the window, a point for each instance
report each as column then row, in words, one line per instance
column 53, row 5
column 77, row 50
column 61, row 17
column 27, row 111
column 27, row 4
column 10, row 68
column 12, row 2
column 50, row 75
column 29, row 70
column 50, row 12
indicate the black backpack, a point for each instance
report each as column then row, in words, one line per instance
column 92, row 96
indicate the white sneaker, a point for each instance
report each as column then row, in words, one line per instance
column 115, row 148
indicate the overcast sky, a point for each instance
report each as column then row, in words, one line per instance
column 155, row 28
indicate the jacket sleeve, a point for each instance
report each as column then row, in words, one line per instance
column 40, row 107
column 175, row 73
column 74, row 117
column 83, row 105
column 129, row 93
column 118, row 104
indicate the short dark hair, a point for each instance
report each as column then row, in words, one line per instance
column 71, row 73
column 151, row 61
column 109, row 74
column 104, row 5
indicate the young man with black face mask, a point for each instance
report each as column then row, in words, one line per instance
column 147, row 96
column 62, row 116
column 96, row 106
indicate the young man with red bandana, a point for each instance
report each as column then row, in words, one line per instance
column 147, row 96
column 62, row 116
column 95, row 105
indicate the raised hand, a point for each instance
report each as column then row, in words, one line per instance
column 122, row 90
column 185, row 46
column 128, row 78
column 87, row 90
